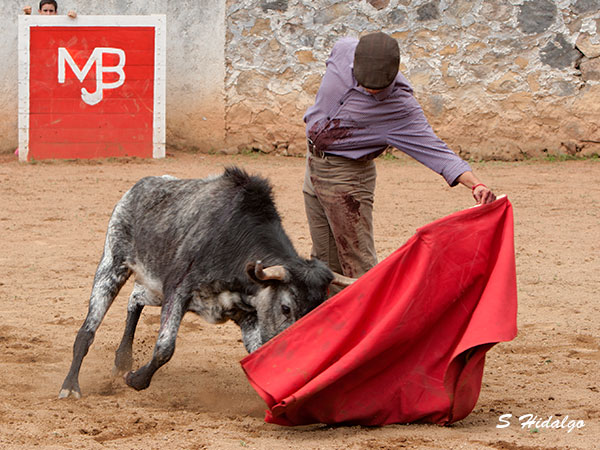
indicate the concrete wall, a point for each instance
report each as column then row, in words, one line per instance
column 498, row 79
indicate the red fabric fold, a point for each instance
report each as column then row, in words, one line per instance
column 407, row 341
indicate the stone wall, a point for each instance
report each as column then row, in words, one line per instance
column 503, row 79
column 498, row 79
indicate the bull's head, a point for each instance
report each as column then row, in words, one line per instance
column 285, row 294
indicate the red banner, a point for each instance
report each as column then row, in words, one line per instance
column 91, row 89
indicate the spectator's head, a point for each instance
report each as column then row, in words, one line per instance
column 48, row 7
column 376, row 61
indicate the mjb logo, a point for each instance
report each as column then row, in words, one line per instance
column 93, row 98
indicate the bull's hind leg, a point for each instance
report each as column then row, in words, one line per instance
column 111, row 275
column 139, row 297
column 172, row 312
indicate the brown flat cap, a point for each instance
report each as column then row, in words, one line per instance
column 376, row 60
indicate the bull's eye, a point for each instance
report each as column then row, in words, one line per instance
column 285, row 309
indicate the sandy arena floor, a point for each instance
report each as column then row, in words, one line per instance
column 53, row 219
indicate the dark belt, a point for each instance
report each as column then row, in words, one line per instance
column 312, row 148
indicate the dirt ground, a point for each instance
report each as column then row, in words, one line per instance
column 53, row 219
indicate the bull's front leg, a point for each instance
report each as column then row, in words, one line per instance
column 171, row 315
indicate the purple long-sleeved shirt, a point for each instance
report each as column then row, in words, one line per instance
column 348, row 121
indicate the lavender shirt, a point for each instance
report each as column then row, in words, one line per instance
column 348, row 121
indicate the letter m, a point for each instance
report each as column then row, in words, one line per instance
column 65, row 57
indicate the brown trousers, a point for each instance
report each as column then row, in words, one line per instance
column 338, row 198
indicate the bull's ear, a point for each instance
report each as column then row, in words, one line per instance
column 251, row 271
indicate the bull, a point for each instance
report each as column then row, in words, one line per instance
column 213, row 246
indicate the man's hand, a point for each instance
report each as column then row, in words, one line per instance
column 72, row 14
column 482, row 194
column 27, row 10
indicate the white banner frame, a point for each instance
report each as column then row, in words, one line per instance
column 158, row 21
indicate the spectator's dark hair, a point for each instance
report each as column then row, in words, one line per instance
column 51, row 2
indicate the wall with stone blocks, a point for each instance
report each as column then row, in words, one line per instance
column 498, row 79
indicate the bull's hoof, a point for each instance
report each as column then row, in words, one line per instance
column 70, row 388
column 64, row 393
column 137, row 380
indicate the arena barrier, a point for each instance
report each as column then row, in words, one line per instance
column 91, row 87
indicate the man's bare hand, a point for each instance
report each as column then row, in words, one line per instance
column 27, row 10
column 483, row 195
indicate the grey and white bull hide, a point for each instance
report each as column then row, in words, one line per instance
column 214, row 246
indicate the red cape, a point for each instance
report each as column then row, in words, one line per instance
column 407, row 341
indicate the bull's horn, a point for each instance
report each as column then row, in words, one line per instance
column 270, row 273
column 341, row 280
